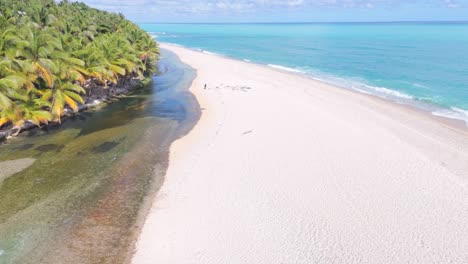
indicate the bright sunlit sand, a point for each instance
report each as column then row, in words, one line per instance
column 285, row 169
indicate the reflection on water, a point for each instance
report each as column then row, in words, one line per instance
column 82, row 199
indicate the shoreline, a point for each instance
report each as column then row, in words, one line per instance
column 311, row 174
column 456, row 125
column 430, row 108
column 191, row 119
column 9, row 132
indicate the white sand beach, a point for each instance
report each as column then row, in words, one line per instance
column 285, row 169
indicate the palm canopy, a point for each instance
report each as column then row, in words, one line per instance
column 49, row 50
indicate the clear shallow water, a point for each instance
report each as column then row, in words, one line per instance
column 424, row 64
column 82, row 198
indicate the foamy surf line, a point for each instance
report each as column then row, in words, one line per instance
column 401, row 98
column 453, row 113
column 284, row 68
column 380, row 92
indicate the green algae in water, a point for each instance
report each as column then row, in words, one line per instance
column 37, row 202
column 80, row 200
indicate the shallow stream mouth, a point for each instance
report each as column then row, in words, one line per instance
column 86, row 189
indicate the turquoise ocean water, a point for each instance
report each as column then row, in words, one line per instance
column 423, row 64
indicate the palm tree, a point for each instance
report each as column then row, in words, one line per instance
column 62, row 94
column 26, row 110
column 149, row 52
column 52, row 53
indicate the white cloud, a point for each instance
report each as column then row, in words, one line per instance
column 237, row 7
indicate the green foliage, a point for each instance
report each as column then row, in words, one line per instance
column 51, row 51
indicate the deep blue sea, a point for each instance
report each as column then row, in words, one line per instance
column 423, row 64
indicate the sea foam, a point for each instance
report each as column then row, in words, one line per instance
column 383, row 92
column 285, row 68
column 453, row 113
column 390, row 92
column 209, row 53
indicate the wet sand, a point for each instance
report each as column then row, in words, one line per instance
column 285, row 169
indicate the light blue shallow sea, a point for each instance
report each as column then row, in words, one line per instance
column 423, row 64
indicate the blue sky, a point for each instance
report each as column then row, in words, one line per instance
column 286, row 10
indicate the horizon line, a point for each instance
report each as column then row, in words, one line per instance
column 329, row 22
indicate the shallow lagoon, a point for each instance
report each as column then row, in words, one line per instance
column 84, row 197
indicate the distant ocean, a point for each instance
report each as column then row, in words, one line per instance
column 422, row 64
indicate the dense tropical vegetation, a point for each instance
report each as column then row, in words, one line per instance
column 53, row 53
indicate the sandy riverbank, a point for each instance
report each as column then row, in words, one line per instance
column 285, row 169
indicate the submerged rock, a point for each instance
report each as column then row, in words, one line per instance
column 105, row 147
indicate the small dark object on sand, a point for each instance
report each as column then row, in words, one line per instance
column 247, row 132
column 205, row 86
